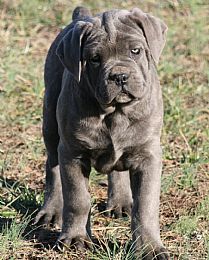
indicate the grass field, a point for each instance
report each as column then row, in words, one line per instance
column 27, row 27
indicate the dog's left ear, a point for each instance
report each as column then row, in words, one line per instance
column 154, row 30
column 69, row 48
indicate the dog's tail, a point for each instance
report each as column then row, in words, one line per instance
column 80, row 13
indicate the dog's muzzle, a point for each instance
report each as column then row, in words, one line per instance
column 121, row 80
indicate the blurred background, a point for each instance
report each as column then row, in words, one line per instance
column 27, row 28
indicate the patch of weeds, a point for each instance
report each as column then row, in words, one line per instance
column 18, row 198
column 109, row 247
column 202, row 210
column 188, row 178
column 35, row 147
column 186, row 225
column 168, row 181
column 12, row 238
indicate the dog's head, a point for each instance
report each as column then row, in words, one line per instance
column 113, row 52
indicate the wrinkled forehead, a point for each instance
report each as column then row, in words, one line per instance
column 113, row 26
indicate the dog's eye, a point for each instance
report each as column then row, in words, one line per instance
column 136, row 51
column 95, row 59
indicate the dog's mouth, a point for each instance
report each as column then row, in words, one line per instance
column 123, row 97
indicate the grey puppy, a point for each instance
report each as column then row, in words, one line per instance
column 103, row 108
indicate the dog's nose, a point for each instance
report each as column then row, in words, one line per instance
column 120, row 79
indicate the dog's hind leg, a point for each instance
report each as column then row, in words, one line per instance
column 51, row 211
column 119, row 194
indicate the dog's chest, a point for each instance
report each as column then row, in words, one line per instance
column 106, row 138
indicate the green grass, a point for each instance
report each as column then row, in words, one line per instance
column 26, row 30
column 11, row 238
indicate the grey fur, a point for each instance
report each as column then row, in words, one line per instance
column 105, row 111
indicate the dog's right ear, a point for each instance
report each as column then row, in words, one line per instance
column 69, row 48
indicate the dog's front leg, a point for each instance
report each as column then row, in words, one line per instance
column 145, row 184
column 74, row 176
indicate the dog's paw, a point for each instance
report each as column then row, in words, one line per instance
column 118, row 209
column 50, row 213
column 159, row 253
column 79, row 242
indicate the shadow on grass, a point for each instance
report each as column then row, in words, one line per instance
column 20, row 206
column 17, row 198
